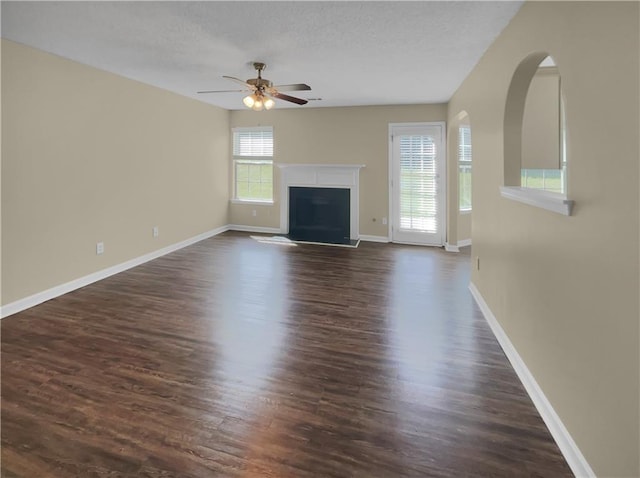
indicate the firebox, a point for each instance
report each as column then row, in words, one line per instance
column 319, row 215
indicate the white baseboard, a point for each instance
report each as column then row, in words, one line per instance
column 40, row 297
column 264, row 230
column 464, row 243
column 365, row 237
column 450, row 247
column 568, row 447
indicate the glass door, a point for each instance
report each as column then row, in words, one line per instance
column 417, row 183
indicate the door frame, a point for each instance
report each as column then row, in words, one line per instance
column 442, row 194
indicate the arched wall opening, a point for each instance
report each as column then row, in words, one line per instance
column 535, row 127
column 535, row 151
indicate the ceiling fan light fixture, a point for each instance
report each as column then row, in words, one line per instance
column 268, row 103
column 258, row 104
column 249, row 100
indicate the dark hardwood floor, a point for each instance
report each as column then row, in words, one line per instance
column 234, row 358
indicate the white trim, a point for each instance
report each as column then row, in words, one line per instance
column 413, row 243
column 450, row 247
column 342, row 176
column 367, row 238
column 464, row 243
column 534, row 197
column 568, row 447
column 243, row 228
column 252, row 202
column 251, row 128
column 303, row 166
column 57, row 291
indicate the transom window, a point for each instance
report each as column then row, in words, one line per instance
column 253, row 164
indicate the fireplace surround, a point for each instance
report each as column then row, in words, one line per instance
column 321, row 176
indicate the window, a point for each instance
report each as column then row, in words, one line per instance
column 552, row 180
column 418, row 183
column 464, row 167
column 253, row 164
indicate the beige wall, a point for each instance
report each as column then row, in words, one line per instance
column 464, row 226
column 0, row 177
column 353, row 135
column 541, row 121
column 565, row 289
column 88, row 156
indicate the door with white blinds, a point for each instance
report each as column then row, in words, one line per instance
column 417, row 186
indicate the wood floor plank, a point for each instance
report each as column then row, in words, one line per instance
column 235, row 358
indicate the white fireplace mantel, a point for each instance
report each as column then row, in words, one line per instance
column 344, row 176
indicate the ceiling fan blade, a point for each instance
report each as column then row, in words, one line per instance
column 223, row 91
column 292, row 99
column 238, row 80
column 294, row 87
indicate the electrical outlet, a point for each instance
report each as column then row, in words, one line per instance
column 100, row 248
column 384, row 221
column 254, row 213
column 156, row 231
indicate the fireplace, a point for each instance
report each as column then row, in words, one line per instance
column 326, row 185
column 319, row 215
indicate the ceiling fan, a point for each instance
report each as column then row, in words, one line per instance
column 263, row 91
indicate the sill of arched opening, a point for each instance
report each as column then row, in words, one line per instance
column 543, row 199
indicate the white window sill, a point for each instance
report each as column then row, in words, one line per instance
column 543, row 199
column 464, row 212
column 251, row 202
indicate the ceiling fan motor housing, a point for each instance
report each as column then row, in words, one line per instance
column 260, row 83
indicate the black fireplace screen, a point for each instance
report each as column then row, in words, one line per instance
column 319, row 214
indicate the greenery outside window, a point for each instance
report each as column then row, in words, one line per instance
column 253, row 164
column 552, row 180
column 464, row 168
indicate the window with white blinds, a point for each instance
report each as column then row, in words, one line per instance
column 464, row 168
column 253, row 163
column 418, row 183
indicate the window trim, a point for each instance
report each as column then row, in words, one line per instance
column 248, row 159
column 251, row 201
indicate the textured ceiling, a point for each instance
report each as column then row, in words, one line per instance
column 350, row 53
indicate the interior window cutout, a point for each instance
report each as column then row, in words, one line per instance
column 535, row 136
column 543, row 132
